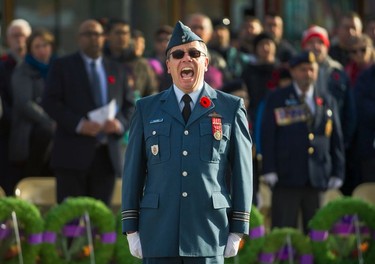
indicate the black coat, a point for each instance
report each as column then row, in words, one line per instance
column 300, row 154
column 68, row 99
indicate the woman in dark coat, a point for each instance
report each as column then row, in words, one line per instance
column 32, row 128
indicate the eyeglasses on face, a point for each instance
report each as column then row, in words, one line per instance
column 355, row 51
column 193, row 53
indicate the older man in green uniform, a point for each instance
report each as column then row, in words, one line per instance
column 187, row 182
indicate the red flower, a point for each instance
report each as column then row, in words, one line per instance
column 336, row 76
column 205, row 101
column 319, row 101
column 4, row 57
column 111, row 79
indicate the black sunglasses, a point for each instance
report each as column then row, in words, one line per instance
column 193, row 53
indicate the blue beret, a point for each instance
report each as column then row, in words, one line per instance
column 181, row 35
column 303, row 57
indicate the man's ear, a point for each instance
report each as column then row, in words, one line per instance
column 206, row 64
column 168, row 68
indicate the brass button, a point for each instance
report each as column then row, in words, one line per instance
column 311, row 136
column 311, row 150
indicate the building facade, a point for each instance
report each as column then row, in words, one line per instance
column 63, row 16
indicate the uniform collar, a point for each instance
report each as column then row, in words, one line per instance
column 194, row 95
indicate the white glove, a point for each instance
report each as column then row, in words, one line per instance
column 135, row 245
column 270, row 178
column 232, row 245
column 334, row 183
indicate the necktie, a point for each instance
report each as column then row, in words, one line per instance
column 95, row 85
column 186, row 111
column 307, row 109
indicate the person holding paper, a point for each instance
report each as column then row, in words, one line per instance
column 86, row 155
column 187, row 182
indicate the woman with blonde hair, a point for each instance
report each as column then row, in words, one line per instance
column 362, row 56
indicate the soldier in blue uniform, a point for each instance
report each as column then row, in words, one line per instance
column 302, row 142
column 187, row 182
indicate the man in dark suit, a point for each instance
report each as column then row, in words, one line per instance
column 302, row 142
column 178, row 205
column 86, row 154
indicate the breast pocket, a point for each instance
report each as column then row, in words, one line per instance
column 211, row 149
column 158, row 146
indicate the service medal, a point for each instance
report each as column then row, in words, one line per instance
column 217, row 128
column 218, row 135
column 154, row 150
column 328, row 128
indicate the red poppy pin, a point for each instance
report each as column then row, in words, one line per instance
column 205, row 101
column 319, row 101
column 336, row 76
column 111, row 79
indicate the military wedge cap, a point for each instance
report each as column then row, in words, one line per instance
column 303, row 57
column 181, row 35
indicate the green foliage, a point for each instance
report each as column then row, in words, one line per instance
column 29, row 221
column 339, row 249
column 101, row 219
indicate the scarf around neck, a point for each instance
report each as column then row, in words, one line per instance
column 40, row 66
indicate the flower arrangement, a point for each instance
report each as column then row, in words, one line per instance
column 330, row 224
column 275, row 249
column 31, row 224
column 205, row 101
column 122, row 253
column 59, row 235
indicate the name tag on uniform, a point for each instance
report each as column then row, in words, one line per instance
column 159, row 120
column 290, row 114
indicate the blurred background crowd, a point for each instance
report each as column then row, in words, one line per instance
column 250, row 46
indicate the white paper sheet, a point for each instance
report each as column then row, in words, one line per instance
column 104, row 113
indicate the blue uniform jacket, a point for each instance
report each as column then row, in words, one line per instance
column 302, row 155
column 176, row 190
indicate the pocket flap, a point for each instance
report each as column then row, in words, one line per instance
column 205, row 129
column 157, row 129
column 226, row 131
column 150, row 200
column 220, row 200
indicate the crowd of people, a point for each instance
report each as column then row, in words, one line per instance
column 330, row 134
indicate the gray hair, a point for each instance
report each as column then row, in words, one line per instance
column 22, row 23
